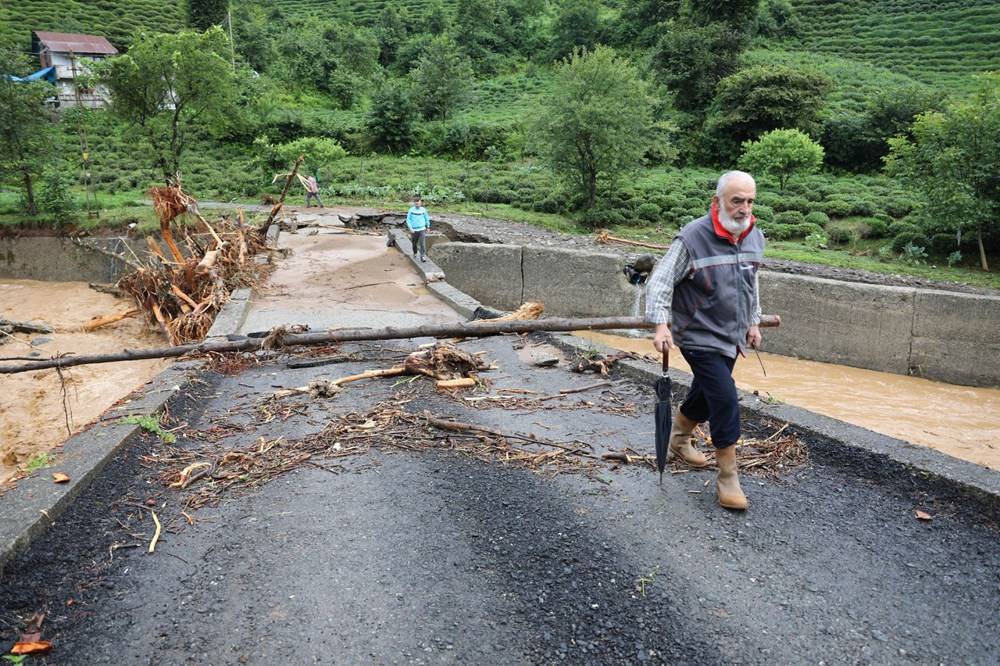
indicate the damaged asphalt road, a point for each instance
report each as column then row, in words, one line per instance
column 432, row 557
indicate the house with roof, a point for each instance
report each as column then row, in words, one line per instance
column 68, row 55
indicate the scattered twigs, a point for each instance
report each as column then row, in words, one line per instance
column 581, row 389
column 604, row 237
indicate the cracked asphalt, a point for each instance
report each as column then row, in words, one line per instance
column 429, row 557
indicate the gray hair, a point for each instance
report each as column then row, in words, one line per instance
column 724, row 179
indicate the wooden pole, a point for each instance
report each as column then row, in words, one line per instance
column 284, row 192
column 479, row 329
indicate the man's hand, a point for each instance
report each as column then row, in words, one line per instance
column 662, row 340
column 754, row 337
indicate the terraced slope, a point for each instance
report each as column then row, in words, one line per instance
column 936, row 41
column 115, row 19
column 358, row 11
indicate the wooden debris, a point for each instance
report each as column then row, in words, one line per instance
column 526, row 311
column 604, row 238
column 156, row 533
column 32, row 647
column 458, row 329
column 60, row 477
column 99, row 322
column 462, row 382
column 284, row 192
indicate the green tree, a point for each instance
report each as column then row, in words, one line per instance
column 24, row 131
column 777, row 19
column 319, row 153
column 578, row 25
column 441, row 78
column 954, row 158
column 759, row 99
column 391, row 121
column 252, row 36
column 391, row 30
column 691, row 60
column 436, row 18
column 594, row 125
column 169, row 86
column 739, row 15
column 203, row 14
column 782, row 153
column 640, row 21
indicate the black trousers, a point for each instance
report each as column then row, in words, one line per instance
column 713, row 395
column 419, row 240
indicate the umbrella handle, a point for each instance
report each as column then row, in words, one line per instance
column 666, row 359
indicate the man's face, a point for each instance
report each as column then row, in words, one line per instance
column 737, row 199
column 418, row 203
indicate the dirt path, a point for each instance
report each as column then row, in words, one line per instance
column 32, row 417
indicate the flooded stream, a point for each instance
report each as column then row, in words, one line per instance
column 32, row 415
column 961, row 421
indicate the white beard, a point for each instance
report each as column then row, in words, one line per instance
column 731, row 225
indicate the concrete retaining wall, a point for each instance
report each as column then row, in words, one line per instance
column 56, row 259
column 947, row 336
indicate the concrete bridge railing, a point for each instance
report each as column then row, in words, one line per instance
column 947, row 336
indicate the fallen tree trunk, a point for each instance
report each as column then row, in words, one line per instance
column 458, row 329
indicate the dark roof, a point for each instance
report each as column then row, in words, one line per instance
column 65, row 42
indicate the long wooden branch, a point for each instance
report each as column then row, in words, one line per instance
column 456, row 330
column 284, row 192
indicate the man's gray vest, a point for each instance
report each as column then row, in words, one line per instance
column 713, row 305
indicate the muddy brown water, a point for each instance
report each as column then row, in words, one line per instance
column 32, row 417
column 960, row 421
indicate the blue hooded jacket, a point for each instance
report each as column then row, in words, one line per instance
column 417, row 219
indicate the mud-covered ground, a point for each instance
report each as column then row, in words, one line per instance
column 432, row 557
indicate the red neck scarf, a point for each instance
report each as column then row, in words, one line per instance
column 723, row 233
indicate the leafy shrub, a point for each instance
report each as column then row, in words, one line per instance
column 877, row 228
column 913, row 254
column 800, row 204
column 943, row 244
column 837, row 207
column 897, row 228
column 789, row 217
column 649, row 211
column 816, row 240
column 54, row 196
column 817, row 217
column 763, row 213
column 897, row 207
column 954, row 258
column 905, row 238
column 842, row 232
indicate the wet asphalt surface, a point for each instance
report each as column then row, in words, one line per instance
column 432, row 557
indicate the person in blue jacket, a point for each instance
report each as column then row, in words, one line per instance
column 418, row 222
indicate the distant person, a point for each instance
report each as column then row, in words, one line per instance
column 312, row 191
column 703, row 294
column 418, row 222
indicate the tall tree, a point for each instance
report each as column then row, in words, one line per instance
column 391, row 121
column 24, row 131
column 954, row 157
column 595, row 122
column 759, row 99
column 203, row 14
column 692, row 59
column 170, row 85
column 739, row 15
column 639, row 21
column 577, row 26
column 441, row 78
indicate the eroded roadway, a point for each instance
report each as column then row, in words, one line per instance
column 431, row 557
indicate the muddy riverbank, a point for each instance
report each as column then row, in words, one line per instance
column 38, row 411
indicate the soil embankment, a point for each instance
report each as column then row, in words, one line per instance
column 35, row 408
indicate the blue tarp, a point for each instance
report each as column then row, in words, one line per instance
column 47, row 74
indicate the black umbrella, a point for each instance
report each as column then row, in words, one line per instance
column 662, row 414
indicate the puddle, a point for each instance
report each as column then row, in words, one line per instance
column 32, row 418
column 961, row 421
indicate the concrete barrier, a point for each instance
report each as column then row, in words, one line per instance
column 849, row 323
column 489, row 273
column 576, row 282
column 56, row 259
column 946, row 336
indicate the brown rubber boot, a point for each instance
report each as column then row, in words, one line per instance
column 682, row 441
column 728, row 485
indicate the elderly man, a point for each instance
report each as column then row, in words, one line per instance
column 703, row 296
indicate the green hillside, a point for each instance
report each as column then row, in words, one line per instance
column 115, row 19
column 936, row 41
column 359, row 11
